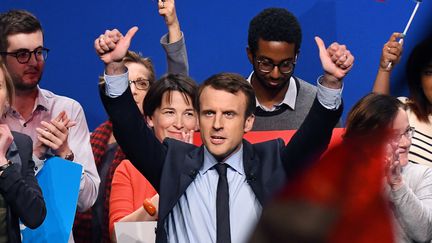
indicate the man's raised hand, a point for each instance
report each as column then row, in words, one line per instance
column 112, row 45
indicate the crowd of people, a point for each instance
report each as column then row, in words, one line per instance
column 143, row 165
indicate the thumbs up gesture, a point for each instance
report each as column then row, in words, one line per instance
column 336, row 61
column 112, row 45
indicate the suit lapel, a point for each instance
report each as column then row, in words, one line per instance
column 251, row 166
column 189, row 168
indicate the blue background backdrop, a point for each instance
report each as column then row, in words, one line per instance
column 216, row 37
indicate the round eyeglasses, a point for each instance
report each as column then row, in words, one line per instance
column 409, row 133
column 284, row 67
column 23, row 56
column 141, row 84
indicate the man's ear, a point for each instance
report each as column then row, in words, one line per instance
column 249, row 54
column 249, row 123
column 149, row 121
column 297, row 55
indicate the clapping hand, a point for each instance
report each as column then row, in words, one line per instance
column 54, row 135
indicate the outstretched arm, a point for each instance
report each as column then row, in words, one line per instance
column 313, row 136
column 173, row 42
column 129, row 128
column 391, row 53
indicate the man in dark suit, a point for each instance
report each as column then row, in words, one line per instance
column 193, row 182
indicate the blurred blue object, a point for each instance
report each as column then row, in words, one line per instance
column 59, row 180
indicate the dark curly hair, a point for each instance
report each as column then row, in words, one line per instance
column 274, row 24
column 418, row 61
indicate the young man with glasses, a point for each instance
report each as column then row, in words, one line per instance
column 283, row 100
column 56, row 123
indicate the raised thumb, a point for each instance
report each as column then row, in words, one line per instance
column 130, row 34
column 321, row 46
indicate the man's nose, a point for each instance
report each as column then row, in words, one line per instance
column 275, row 73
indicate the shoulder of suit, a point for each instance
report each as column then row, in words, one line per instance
column 174, row 142
column 273, row 142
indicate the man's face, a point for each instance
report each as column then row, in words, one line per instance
column 275, row 52
column 25, row 76
column 222, row 121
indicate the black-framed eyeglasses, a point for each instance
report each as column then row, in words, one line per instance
column 23, row 56
column 266, row 66
column 409, row 133
column 141, row 84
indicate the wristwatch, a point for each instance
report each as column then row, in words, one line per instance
column 70, row 156
column 3, row 167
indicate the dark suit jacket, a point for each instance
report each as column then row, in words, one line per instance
column 21, row 191
column 172, row 166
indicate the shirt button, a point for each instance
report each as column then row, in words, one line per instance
column 36, row 168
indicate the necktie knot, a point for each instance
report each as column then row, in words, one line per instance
column 221, row 169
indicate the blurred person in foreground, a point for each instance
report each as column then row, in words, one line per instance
column 343, row 198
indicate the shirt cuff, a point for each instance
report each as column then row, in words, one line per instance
column 116, row 85
column 329, row 98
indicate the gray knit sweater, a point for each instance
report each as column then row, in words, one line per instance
column 288, row 119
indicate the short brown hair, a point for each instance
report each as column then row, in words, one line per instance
column 133, row 57
column 169, row 83
column 371, row 116
column 232, row 83
column 15, row 22
column 8, row 81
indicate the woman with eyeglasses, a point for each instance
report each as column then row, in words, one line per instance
column 419, row 101
column 20, row 195
column 384, row 118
